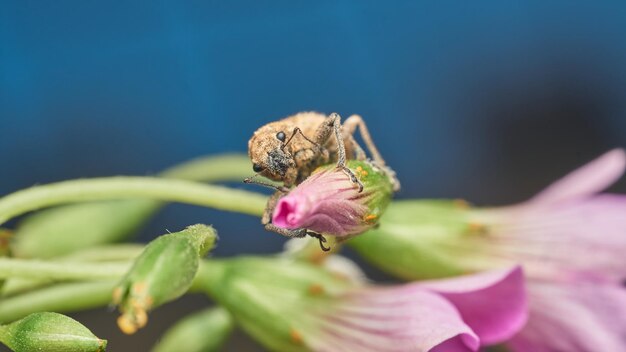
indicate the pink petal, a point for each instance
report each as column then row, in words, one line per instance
column 589, row 179
column 397, row 318
column 585, row 238
column 327, row 202
column 285, row 213
column 455, row 344
column 581, row 317
column 493, row 303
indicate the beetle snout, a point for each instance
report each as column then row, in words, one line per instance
column 279, row 162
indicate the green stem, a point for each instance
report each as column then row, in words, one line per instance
column 60, row 298
column 39, row 269
column 16, row 286
column 109, row 253
column 233, row 167
column 124, row 187
column 105, row 253
column 71, row 297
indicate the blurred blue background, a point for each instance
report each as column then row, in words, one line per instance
column 487, row 101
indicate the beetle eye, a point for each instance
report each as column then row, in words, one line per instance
column 281, row 136
column 257, row 168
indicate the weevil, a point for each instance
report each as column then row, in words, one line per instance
column 289, row 150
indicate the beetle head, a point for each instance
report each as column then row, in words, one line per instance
column 268, row 154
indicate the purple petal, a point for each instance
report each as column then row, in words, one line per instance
column 589, row 179
column 566, row 241
column 493, row 303
column 455, row 344
column 397, row 318
column 284, row 213
column 581, row 317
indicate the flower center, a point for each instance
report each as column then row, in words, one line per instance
column 285, row 214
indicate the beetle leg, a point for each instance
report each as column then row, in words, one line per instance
column 352, row 177
column 350, row 127
column 269, row 208
column 321, row 238
column 341, row 150
column 297, row 233
column 359, row 153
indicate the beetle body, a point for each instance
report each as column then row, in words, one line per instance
column 288, row 150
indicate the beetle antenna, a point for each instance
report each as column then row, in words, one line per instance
column 293, row 134
column 252, row 180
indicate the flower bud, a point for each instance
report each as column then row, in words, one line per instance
column 294, row 305
column 419, row 239
column 328, row 202
column 163, row 272
column 50, row 332
column 272, row 298
column 203, row 331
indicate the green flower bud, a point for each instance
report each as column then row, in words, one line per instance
column 273, row 299
column 419, row 239
column 163, row 272
column 294, row 305
column 204, row 331
column 50, row 332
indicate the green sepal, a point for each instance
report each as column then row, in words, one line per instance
column 163, row 272
column 376, row 183
column 416, row 239
column 270, row 298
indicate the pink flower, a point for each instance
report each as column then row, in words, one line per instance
column 577, row 291
column 566, row 232
column 574, row 317
column 570, row 240
column 329, row 203
column 292, row 305
column 458, row 314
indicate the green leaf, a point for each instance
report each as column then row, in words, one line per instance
column 51, row 332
